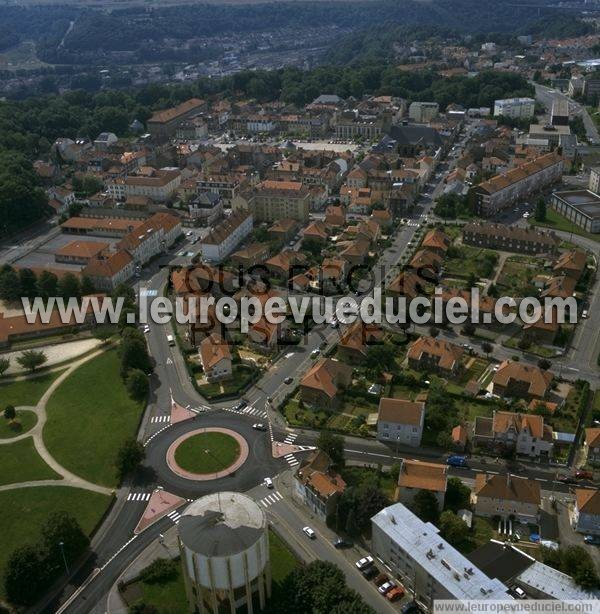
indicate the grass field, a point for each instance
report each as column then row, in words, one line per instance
column 90, row 415
column 25, row 510
column 25, row 421
column 26, row 391
column 558, row 222
column 207, row 452
column 20, row 462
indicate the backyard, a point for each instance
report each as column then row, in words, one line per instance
column 515, row 278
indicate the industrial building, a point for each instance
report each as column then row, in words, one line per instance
column 224, row 544
column 581, row 207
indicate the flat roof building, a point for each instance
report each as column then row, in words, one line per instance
column 425, row 563
column 521, row 108
column 582, row 207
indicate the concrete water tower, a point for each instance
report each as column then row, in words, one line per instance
column 224, row 544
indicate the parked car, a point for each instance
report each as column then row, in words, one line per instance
column 395, row 593
column 259, row 426
column 385, row 588
column 593, row 540
column 365, row 562
column 456, row 461
column 308, row 531
column 567, row 479
column 268, row 482
column 584, row 475
column 520, row 593
column 370, row 572
column 381, row 579
column 288, row 380
column 410, row 608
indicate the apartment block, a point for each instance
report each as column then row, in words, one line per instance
column 516, row 108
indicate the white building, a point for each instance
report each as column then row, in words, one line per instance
column 159, row 185
column 400, row 421
column 223, row 240
column 425, row 563
column 224, row 544
column 423, row 112
column 152, row 237
column 517, row 108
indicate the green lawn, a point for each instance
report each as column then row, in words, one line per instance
column 25, row 510
column 534, row 348
column 207, row 452
column 566, row 418
column 90, row 415
column 26, row 391
column 242, row 376
column 169, row 597
column 20, row 462
column 24, row 422
column 555, row 221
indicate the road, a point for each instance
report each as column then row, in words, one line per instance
column 114, row 548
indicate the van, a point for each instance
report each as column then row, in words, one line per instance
column 170, row 340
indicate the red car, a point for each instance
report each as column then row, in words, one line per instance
column 584, row 475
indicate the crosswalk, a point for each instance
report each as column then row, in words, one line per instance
column 174, row 516
column 160, row 419
column 138, row 496
column 254, row 411
column 412, row 223
column 291, row 460
column 290, row 438
column 270, row 499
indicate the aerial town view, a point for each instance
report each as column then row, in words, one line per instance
column 299, row 306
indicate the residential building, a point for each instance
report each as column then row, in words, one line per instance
column 435, row 355
column 516, row 108
column 510, row 238
column 223, row 239
column 163, row 124
column 105, row 140
column 108, row 270
column 418, row 475
column 582, row 207
column 251, row 255
column 591, row 446
column 215, row 358
column 102, row 227
column 437, row 241
column 159, row 185
column 559, row 115
column 428, row 566
column 507, row 496
column 318, row 485
column 586, row 512
column 206, row 208
column 324, row 382
column 594, row 182
column 517, row 184
column 356, row 339
column 272, row 200
column 284, row 229
column 423, row 112
column 79, row 252
column 400, row 421
column 152, row 237
column 226, row 186
column 520, row 380
column 525, row 434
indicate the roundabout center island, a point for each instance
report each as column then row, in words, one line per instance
column 207, row 454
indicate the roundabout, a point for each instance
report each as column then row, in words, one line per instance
column 207, row 453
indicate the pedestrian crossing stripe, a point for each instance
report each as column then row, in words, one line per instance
column 290, row 438
column 174, row 516
column 157, row 419
column 138, row 496
column 291, row 459
column 270, row 499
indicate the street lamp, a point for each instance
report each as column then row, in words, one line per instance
column 64, row 558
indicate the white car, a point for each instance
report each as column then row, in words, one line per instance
column 268, row 482
column 315, row 353
column 386, row 587
column 309, row 532
column 584, row 313
column 364, row 562
column 526, row 215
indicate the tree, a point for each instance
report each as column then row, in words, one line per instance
column 10, row 288
column 26, row 575
column 61, row 527
column 380, row 356
column 68, row 286
column 540, row 210
column 124, row 320
column 487, row 348
column 87, row 286
column 434, row 332
column 333, row 446
column 453, row 529
column 458, row 496
column 104, row 333
column 10, row 413
column 395, row 472
column 32, row 359
column 524, row 341
column 134, row 355
column 137, row 384
column 131, row 455
column 126, row 292
column 468, row 329
column 28, row 283
column 544, row 364
column 425, row 506
column 47, row 285
column 4, row 364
